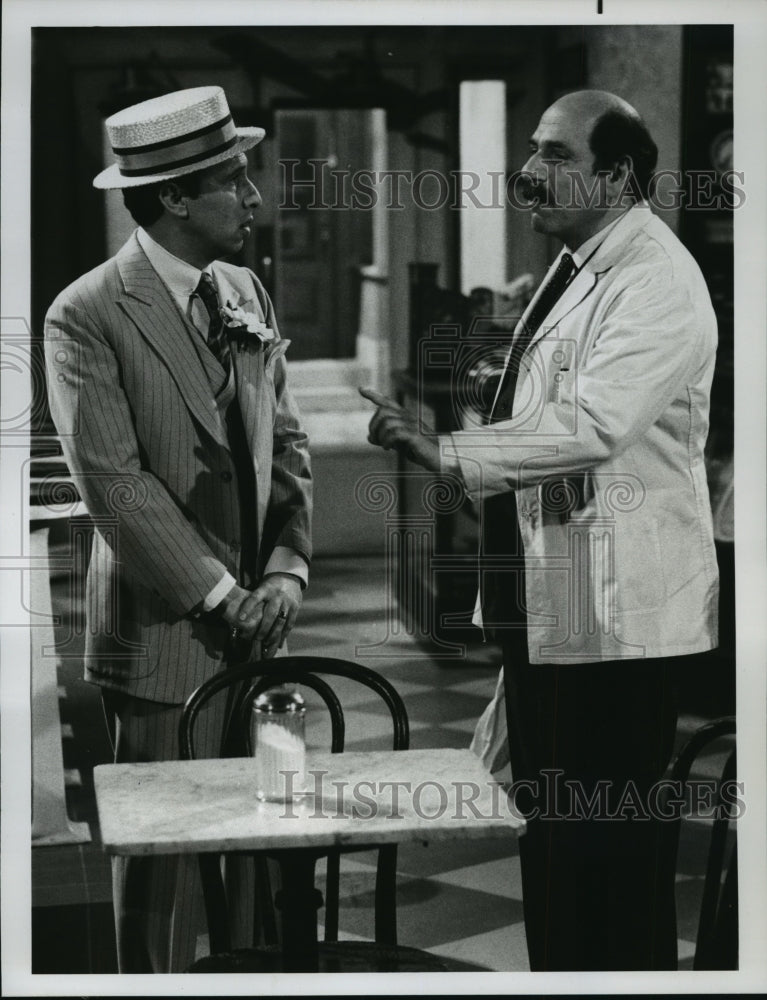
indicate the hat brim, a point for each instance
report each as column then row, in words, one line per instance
column 111, row 178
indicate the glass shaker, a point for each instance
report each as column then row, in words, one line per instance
column 279, row 725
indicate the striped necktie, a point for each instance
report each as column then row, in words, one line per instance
column 217, row 341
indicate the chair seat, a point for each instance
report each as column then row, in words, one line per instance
column 337, row 956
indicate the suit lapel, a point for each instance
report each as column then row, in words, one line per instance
column 248, row 369
column 228, row 293
column 150, row 305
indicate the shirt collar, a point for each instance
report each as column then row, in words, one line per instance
column 592, row 244
column 180, row 276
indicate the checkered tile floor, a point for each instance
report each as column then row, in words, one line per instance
column 461, row 899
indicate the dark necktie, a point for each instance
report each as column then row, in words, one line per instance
column 551, row 291
column 502, row 583
column 244, row 477
column 217, row 341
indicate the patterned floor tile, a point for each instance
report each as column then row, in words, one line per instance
column 501, row 950
column 464, row 727
column 429, row 912
column 317, row 643
column 354, row 695
column 350, row 693
column 445, row 706
column 364, row 731
column 497, row 878
column 411, row 689
column 481, row 687
column 409, row 668
column 437, row 858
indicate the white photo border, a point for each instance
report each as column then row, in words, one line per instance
column 750, row 43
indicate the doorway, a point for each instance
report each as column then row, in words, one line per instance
column 321, row 238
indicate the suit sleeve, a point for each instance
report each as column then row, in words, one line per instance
column 154, row 542
column 289, row 516
column 651, row 340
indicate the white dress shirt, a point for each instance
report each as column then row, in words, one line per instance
column 181, row 280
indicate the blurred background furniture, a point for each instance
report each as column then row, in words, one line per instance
column 458, row 346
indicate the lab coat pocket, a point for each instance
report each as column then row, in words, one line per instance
column 637, row 565
column 561, row 370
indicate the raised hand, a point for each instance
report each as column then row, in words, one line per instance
column 393, row 427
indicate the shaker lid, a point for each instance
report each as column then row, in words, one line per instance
column 280, row 700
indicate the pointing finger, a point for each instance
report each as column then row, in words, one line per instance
column 379, row 421
column 377, row 398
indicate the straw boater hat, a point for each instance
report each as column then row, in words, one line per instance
column 173, row 135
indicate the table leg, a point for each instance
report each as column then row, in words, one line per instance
column 298, row 902
column 130, row 877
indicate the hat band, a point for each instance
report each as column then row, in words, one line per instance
column 150, row 147
column 154, row 158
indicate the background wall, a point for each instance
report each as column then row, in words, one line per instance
column 644, row 65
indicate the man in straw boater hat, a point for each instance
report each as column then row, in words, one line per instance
column 167, row 384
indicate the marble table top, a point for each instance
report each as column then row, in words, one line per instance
column 352, row 798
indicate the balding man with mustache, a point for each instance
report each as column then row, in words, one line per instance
column 598, row 572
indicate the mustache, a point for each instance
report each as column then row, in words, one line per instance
column 532, row 189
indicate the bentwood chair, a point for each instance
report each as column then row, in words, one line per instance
column 243, row 684
column 717, row 934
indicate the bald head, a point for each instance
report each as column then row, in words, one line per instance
column 591, row 104
column 616, row 132
column 591, row 156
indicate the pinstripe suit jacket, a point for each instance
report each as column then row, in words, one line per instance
column 131, row 394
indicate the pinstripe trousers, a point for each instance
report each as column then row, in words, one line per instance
column 157, row 901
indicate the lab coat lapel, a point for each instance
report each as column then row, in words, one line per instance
column 582, row 285
column 611, row 250
column 585, row 281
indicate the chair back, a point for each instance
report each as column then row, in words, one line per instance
column 243, row 684
column 251, row 679
column 717, row 935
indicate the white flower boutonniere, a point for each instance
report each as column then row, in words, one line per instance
column 241, row 324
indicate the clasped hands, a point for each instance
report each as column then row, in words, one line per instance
column 266, row 614
column 393, row 427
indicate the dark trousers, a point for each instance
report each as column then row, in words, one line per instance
column 595, row 892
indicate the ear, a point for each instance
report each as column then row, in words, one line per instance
column 174, row 201
column 621, row 181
